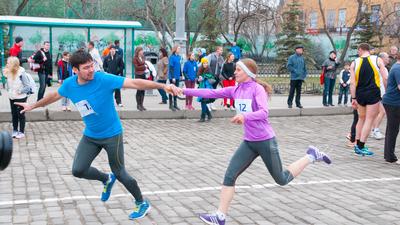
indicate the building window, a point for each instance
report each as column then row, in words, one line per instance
column 330, row 18
column 375, row 11
column 313, row 20
column 342, row 18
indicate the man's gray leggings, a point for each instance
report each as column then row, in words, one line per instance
column 247, row 152
column 87, row 151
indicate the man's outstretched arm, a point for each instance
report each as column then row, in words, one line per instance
column 47, row 100
column 141, row 84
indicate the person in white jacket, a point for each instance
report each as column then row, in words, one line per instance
column 98, row 62
column 375, row 132
column 18, row 89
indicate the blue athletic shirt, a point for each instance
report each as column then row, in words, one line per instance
column 392, row 96
column 94, row 100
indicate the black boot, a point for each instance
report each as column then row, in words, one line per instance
column 202, row 118
column 141, row 102
column 176, row 103
column 138, row 103
column 209, row 116
column 171, row 107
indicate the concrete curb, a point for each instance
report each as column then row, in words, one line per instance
column 53, row 115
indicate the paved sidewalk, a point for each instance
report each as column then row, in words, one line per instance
column 277, row 106
column 180, row 164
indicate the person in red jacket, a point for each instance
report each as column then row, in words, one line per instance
column 16, row 50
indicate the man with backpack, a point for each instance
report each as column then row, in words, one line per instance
column 43, row 58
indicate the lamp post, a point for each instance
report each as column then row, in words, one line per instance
column 180, row 38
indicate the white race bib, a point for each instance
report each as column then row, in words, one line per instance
column 243, row 105
column 84, row 108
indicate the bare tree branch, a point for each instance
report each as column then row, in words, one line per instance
column 68, row 2
column 21, row 6
column 325, row 26
column 352, row 28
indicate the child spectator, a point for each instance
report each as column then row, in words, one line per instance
column 344, row 84
column 64, row 71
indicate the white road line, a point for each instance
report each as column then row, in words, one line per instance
column 255, row 186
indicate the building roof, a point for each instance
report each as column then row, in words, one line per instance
column 61, row 22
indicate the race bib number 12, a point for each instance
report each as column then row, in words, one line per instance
column 243, row 106
column 84, row 108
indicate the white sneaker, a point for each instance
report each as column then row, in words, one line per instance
column 120, row 105
column 14, row 134
column 20, row 135
column 378, row 135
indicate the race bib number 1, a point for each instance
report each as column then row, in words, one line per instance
column 243, row 106
column 84, row 108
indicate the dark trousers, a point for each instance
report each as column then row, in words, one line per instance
column 343, row 91
column 329, row 85
column 140, row 93
column 295, row 86
column 392, row 130
column 42, row 85
column 204, row 109
column 247, row 152
column 89, row 148
column 353, row 126
column 49, row 79
column 117, row 96
column 163, row 94
column 174, row 98
column 17, row 116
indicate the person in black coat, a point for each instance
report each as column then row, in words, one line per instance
column 114, row 64
column 45, row 72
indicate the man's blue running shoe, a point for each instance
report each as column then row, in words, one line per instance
column 105, row 195
column 140, row 210
column 357, row 150
column 366, row 151
column 211, row 219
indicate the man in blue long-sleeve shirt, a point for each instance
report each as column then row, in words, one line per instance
column 298, row 72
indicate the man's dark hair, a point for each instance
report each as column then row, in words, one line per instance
column 116, row 42
column 18, row 39
column 80, row 57
column 65, row 53
column 45, row 42
column 364, row 46
column 91, row 43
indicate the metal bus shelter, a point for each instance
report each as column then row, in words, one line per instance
column 13, row 21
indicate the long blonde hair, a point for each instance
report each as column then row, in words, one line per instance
column 252, row 65
column 12, row 67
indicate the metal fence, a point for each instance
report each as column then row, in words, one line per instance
column 282, row 87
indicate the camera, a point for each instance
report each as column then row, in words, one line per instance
column 6, row 148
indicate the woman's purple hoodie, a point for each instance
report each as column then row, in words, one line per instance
column 256, row 123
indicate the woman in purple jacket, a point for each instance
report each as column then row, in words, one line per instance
column 251, row 99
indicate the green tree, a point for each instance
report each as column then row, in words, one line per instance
column 71, row 41
column 36, row 39
column 291, row 35
column 366, row 32
column 211, row 23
